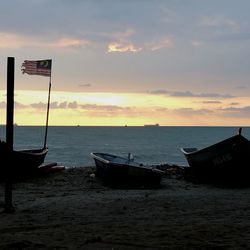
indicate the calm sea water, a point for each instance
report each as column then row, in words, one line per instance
column 71, row 146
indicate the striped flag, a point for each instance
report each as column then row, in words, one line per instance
column 41, row 67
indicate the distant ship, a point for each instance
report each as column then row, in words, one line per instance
column 152, row 125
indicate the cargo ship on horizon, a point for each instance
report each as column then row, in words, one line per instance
column 152, row 125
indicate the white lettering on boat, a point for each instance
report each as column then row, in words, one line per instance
column 221, row 159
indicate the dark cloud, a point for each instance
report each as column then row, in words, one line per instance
column 161, row 109
column 72, row 105
column 85, row 85
column 243, row 112
column 64, row 105
column 55, row 105
column 84, row 107
column 19, row 105
column 211, row 102
column 189, row 94
column 159, row 92
column 108, row 108
column 209, row 95
column 41, row 105
column 234, row 103
column 191, row 111
column 2, row 105
column 241, row 87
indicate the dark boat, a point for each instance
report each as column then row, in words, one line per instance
column 21, row 162
column 30, row 159
column 120, row 171
column 227, row 160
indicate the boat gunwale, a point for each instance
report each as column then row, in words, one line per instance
column 128, row 164
column 198, row 151
column 41, row 151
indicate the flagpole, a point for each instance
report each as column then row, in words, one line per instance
column 47, row 116
column 42, row 68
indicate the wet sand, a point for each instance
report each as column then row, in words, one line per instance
column 74, row 210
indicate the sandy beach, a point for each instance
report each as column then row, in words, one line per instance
column 72, row 209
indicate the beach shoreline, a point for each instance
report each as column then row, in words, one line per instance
column 72, row 209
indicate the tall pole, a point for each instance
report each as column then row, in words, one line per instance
column 8, row 208
column 47, row 116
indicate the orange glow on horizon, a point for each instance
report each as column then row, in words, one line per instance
column 120, row 109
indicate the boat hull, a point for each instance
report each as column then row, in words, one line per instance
column 126, row 174
column 226, row 160
column 30, row 159
column 23, row 162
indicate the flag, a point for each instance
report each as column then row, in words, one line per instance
column 41, row 67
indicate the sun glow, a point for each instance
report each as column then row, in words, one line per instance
column 119, row 109
column 102, row 99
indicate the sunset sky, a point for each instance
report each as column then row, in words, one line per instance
column 133, row 62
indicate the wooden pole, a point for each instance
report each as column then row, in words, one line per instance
column 8, row 208
column 47, row 116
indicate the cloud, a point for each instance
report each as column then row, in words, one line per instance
column 13, row 41
column 122, row 42
column 18, row 105
column 161, row 109
column 120, row 35
column 170, row 17
column 189, row 94
column 16, row 41
column 122, row 47
column 41, row 105
column 196, row 43
column 2, row 105
column 118, row 42
column 182, row 94
column 72, row 105
column 242, row 112
column 102, row 109
column 159, row 92
column 85, row 85
column 221, row 22
column 165, row 42
column 54, row 105
column 64, row 105
column 68, row 42
column 108, row 108
column 211, row 102
column 192, row 112
column 95, row 110
column 241, row 87
column 234, row 103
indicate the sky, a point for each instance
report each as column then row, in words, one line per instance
column 133, row 62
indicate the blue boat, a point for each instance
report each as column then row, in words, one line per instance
column 121, row 171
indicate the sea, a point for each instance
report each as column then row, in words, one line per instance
column 154, row 145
